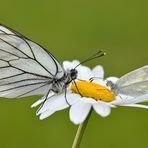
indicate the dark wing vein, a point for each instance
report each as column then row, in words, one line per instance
column 12, row 30
column 25, row 53
column 29, row 47
column 21, row 86
column 3, row 31
column 12, row 76
column 28, row 92
column 24, row 70
column 24, row 80
column 31, row 52
column 14, row 46
column 29, row 72
column 10, row 53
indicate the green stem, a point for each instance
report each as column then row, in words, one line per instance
column 80, row 132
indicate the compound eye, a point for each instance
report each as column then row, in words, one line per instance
column 109, row 83
column 73, row 73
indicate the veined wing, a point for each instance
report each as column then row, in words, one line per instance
column 134, row 83
column 26, row 68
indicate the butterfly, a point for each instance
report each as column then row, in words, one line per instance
column 27, row 68
column 134, row 83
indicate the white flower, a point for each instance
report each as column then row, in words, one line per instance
column 87, row 95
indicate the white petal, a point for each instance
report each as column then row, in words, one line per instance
column 88, row 100
column 46, row 114
column 98, row 71
column 75, row 63
column 79, row 112
column 121, row 100
column 42, row 100
column 136, row 105
column 70, row 65
column 100, row 81
column 107, row 103
column 84, row 73
column 73, row 98
column 67, row 65
column 38, row 102
column 55, row 103
column 102, row 109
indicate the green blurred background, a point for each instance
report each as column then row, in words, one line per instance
column 74, row 30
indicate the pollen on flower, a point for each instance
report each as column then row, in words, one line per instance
column 92, row 90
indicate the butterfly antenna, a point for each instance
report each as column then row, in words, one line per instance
column 98, row 54
column 77, row 88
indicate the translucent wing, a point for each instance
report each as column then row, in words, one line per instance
column 26, row 68
column 134, row 83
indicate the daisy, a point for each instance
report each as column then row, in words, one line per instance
column 84, row 95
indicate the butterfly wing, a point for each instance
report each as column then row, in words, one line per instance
column 134, row 83
column 26, row 68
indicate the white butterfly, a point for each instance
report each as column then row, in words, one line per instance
column 133, row 84
column 26, row 68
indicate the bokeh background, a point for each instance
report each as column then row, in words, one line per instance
column 74, row 30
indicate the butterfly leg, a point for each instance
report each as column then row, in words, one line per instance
column 45, row 99
column 65, row 91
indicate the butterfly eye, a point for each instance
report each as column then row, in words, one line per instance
column 73, row 73
column 108, row 83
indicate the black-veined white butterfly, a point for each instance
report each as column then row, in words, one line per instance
column 27, row 69
column 134, row 83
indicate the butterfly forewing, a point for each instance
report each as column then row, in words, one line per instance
column 5, row 30
column 26, row 68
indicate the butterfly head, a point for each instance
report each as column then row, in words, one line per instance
column 109, row 83
column 70, row 75
column 114, row 88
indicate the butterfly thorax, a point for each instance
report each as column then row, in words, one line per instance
column 59, row 85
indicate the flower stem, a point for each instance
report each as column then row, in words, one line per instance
column 80, row 132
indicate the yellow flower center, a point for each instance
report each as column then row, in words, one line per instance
column 92, row 90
